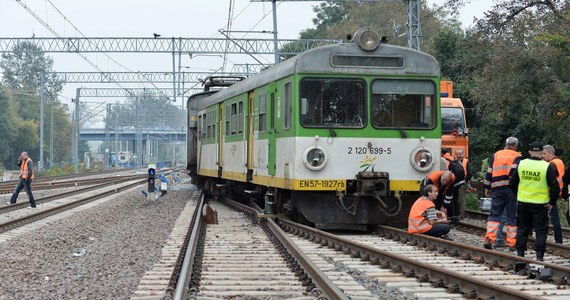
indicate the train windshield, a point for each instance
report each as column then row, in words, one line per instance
column 452, row 118
column 400, row 103
column 333, row 102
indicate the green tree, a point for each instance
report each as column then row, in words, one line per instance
column 23, row 68
column 523, row 86
column 7, row 135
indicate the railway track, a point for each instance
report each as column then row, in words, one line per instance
column 66, row 177
column 483, row 216
column 554, row 251
column 238, row 258
column 457, row 268
column 11, row 221
column 56, row 184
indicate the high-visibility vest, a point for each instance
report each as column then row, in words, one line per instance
column 447, row 157
column 416, row 222
column 560, row 167
column 24, row 169
column 502, row 164
column 533, row 187
column 434, row 178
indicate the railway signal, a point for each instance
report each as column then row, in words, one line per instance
column 151, row 178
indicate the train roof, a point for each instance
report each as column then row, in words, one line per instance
column 386, row 59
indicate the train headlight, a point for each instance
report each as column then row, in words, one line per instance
column 367, row 39
column 314, row 158
column 421, row 159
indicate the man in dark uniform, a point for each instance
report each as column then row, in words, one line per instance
column 501, row 166
column 565, row 197
column 534, row 182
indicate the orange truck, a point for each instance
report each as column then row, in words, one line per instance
column 454, row 129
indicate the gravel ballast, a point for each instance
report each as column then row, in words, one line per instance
column 98, row 253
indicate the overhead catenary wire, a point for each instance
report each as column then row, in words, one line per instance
column 92, row 64
column 104, row 53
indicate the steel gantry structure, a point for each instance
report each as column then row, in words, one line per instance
column 174, row 46
column 165, row 45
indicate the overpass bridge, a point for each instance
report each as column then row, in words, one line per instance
column 147, row 142
column 130, row 134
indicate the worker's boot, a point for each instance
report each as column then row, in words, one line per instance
column 488, row 244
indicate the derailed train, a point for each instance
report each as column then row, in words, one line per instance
column 338, row 136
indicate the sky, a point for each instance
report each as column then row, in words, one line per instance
column 170, row 18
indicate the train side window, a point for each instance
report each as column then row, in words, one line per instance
column 288, row 112
column 262, row 112
column 272, row 119
column 213, row 119
column 234, row 118
column 207, row 128
column 199, row 128
column 227, row 120
column 209, row 134
column 240, row 117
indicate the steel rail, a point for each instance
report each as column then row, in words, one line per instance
column 479, row 254
column 474, row 214
column 552, row 248
column 469, row 286
column 190, row 255
column 64, row 194
column 326, row 286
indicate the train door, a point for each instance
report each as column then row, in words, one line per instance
column 250, row 133
column 272, row 139
column 220, row 139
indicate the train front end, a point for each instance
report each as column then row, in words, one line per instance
column 368, row 133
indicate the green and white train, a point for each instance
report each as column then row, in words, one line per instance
column 339, row 136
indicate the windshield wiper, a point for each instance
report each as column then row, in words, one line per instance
column 403, row 133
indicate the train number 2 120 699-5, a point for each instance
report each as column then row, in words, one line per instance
column 371, row 150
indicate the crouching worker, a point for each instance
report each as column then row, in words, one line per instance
column 425, row 219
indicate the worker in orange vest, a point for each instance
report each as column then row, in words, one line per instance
column 496, row 183
column 443, row 181
column 424, row 218
column 26, row 177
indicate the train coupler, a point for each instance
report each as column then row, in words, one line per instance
column 373, row 184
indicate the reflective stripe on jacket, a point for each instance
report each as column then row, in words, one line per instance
column 500, row 166
column 417, row 222
column 533, row 187
column 24, row 172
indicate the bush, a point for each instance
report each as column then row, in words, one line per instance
column 472, row 201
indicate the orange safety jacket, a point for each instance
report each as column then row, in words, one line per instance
column 417, row 221
column 500, row 167
column 435, row 179
column 443, row 191
column 560, row 167
column 24, row 171
column 447, row 158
